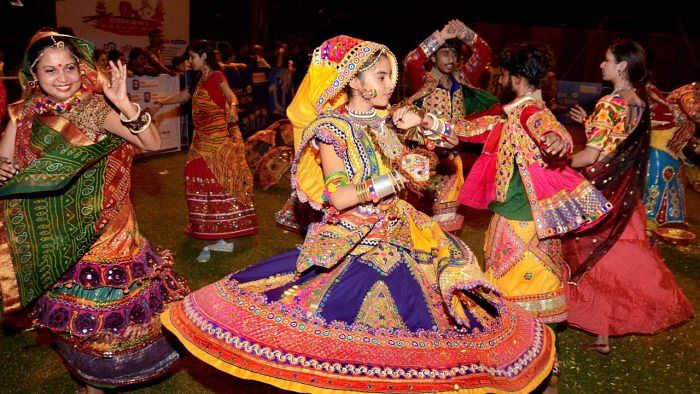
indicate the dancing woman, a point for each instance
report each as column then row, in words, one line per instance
column 70, row 249
column 619, row 284
column 218, row 182
column 378, row 298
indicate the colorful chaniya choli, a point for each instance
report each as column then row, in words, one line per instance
column 377, row 299
column 451, row 104
column 534, row 200
column 671, row 129
column 617, row 281
column 70, row 235
column 218, row 182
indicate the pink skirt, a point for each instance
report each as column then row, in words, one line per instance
column 629, row 291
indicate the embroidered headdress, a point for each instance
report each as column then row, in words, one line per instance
column 333, row 64
column 24, row 111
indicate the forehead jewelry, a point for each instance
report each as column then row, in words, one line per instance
column 57, row 45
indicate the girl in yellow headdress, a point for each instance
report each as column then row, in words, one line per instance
column 378, row 298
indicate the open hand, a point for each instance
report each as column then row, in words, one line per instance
column 115, row 88
column 577, row 113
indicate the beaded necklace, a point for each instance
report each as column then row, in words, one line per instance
column 46, row 103
column 362, row 115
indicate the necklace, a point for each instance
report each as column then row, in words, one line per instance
column 362, row 115
column 47, row 103
column 625, row 89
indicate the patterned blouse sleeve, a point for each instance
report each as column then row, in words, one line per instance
column 601, row 122
column 540, row 122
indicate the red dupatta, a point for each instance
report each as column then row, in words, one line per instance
column 620, row 177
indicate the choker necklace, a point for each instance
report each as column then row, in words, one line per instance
column 47, row 103
column 617, row 91
column 362, row 115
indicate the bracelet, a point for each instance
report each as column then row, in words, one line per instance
column 141, row 125
column 448, row 130
column 125, row 120
column 361, row 193
column 397, row 182
column 371, row 190
column 384, row 186
column 436, row 123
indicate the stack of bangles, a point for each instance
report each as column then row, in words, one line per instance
column 439, row 130
column 378, row 187
column 138, row 123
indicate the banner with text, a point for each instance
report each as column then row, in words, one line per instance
column 124, row 24
column 144, row 91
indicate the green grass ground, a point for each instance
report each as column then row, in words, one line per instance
column 667, row 362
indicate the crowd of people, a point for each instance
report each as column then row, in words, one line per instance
column 382, row 296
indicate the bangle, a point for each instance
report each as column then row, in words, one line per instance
column 398, row 184
column 448, row 130
column 361, row 193
column 138, row 112
column 435, row 122
column 138, row 127
column 384, row 186
column 371, row 190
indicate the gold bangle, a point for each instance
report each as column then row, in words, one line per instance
column 362, row 193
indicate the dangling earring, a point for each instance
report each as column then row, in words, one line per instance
column 368, row 94
column 33, row 84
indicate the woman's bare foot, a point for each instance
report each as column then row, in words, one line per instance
column 601, row 345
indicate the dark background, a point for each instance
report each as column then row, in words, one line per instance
column 669, row 30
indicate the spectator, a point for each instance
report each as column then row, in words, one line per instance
column 179, row 65
column 154, row 52
column 101, row 60
column 138, row 63
column 257, row 57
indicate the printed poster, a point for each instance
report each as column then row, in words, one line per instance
column 124, row 24
column 144, row 91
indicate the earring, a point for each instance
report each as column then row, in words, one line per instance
column 369, row 94
column 33, row 84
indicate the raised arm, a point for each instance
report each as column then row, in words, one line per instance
column 131, row 123
column 414, row 62
column 480, row 58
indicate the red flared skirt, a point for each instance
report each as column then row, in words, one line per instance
column 214, row 214
column 629, row 291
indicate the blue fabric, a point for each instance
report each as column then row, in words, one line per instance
column 664, row 197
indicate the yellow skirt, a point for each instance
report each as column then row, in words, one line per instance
column 526, row 269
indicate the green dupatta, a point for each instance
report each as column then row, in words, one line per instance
column 51, row 208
